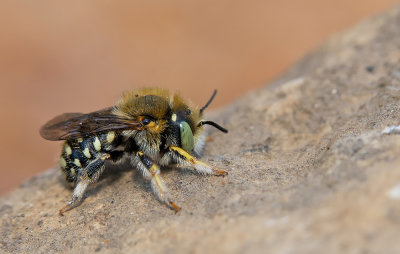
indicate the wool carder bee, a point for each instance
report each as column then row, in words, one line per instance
column 148, row 127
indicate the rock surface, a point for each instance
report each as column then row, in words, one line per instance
column 312, row 168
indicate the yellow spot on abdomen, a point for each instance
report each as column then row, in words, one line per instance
column 86, row 152
column 68, row 149
column 77, row 163
column 97, row 144
column 63, row 163
column 110, row 137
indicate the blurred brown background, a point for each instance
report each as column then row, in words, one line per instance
column 75, row 56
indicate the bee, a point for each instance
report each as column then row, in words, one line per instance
column 149, row 127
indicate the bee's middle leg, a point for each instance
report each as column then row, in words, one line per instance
column 151, row 170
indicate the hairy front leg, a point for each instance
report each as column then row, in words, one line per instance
column 185, row 159
column 149, row 168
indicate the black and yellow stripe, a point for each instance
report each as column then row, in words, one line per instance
column 86, row 156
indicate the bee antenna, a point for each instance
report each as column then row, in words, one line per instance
column 209, row 101
column 219, row 127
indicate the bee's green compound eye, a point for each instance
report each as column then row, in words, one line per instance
column 187, row 140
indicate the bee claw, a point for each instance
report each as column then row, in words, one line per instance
column 62, row 210
column 69, row 206
column 221, row 173
column 174, row 206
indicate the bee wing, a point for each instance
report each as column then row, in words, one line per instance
column 77, row 125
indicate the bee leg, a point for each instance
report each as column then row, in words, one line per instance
column 151, row 170
column 184, row 158
column 91, row 174
column 77, row 196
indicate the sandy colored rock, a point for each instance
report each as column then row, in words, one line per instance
column 312, row 168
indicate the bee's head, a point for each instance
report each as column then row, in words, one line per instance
column 163, row 115
column 187, row 124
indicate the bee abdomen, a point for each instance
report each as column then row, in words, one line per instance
column 78, row 154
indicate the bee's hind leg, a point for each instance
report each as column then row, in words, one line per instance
column 90, row 174
column 150, row 170
column 79, row 190
column 185, row 159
